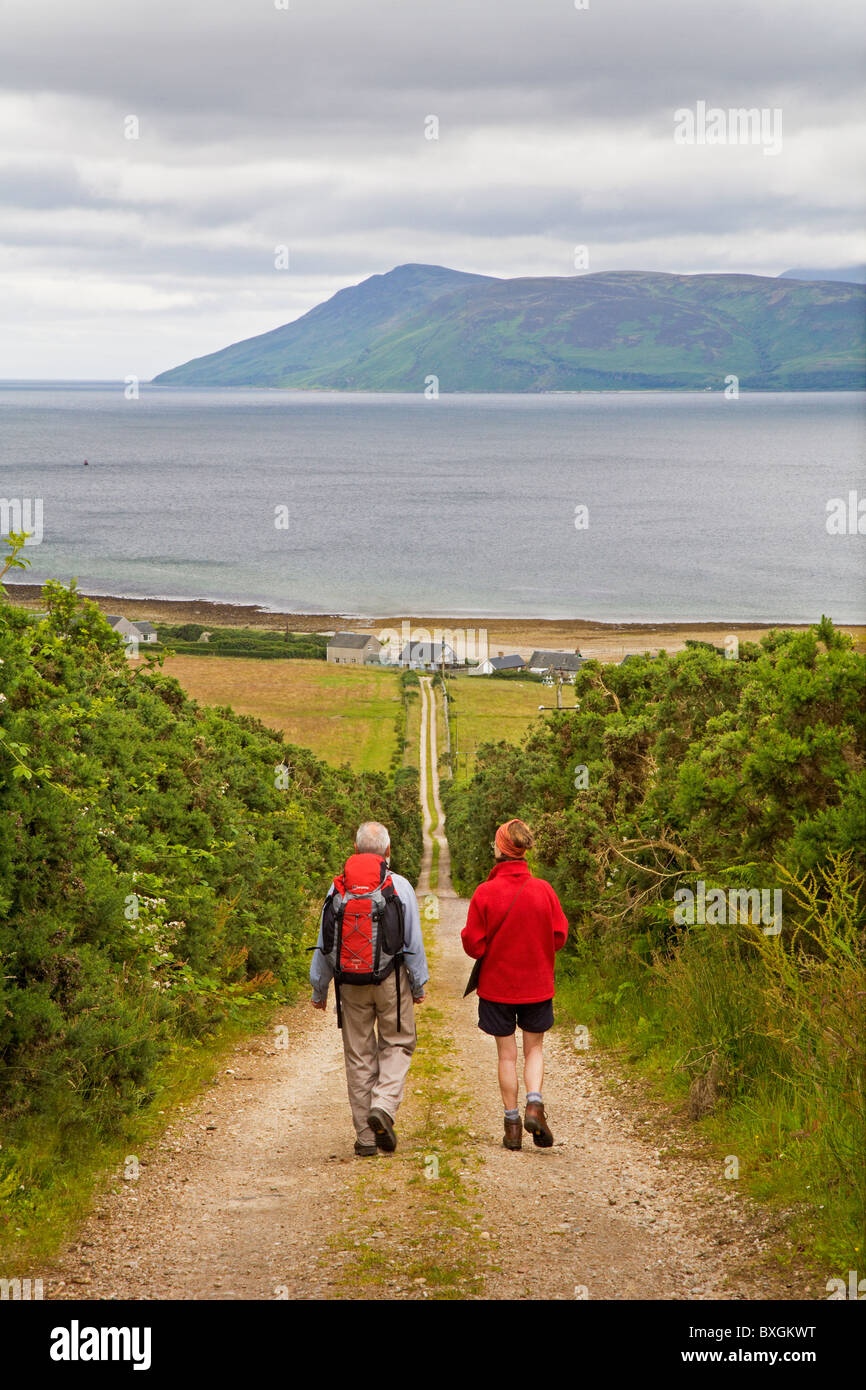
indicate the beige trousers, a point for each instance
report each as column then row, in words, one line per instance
column 377, row 1056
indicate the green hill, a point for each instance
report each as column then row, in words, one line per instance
column 617, row 330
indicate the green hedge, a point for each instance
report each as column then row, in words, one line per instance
column 742, row 774
column 183, row 639
column 161, row 864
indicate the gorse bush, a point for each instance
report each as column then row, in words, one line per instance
column 695, row 768
column 740, row 774
column 161, row 864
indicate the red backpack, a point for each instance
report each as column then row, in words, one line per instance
column 363, row 926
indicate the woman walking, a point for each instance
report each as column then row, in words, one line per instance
column 515, row 925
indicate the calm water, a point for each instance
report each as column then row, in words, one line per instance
column 699, row 507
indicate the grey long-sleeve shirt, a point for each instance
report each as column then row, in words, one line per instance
column 321, row 972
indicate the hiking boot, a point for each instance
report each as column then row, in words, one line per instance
column 383, row 1127
column 535, row 1123
column 513, row 1137
column 365, row 1150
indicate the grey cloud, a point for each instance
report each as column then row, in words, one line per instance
column 45, row 184
column 337, row 91
column 210, row 67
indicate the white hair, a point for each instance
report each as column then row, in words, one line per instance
column 372, row 838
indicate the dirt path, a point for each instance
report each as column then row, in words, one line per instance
column 254, row 1193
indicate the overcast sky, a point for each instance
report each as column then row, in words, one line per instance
column 304, row 127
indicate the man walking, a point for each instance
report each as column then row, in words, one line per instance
column 370, row 945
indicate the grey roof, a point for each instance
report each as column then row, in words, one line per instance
column 560, row 661
column 355, row 640
column 507, row 663
column 114, row 618
column 425, row 651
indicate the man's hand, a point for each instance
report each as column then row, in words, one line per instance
column 418, row 998
column 319, row 1004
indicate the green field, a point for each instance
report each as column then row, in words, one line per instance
column 413, row 726
column 441, row 731
column 348, row 714
column 345, row 714
column 486, row 709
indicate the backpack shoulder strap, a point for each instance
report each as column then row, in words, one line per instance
column 502, row 922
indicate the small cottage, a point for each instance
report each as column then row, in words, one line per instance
column 566, row 662
column 353, row 648
column 141, row 631
column 424, row 656
column 491, row 664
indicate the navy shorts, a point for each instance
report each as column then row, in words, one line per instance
column 500, row 1020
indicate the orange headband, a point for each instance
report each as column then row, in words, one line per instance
column 506, row 845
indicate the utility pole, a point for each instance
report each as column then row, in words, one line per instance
column 556, row 678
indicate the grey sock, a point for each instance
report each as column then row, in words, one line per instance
column 512, row 1114
column 534, row 1095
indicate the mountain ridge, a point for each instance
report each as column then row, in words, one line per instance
column 850, row 275
column 603, row 330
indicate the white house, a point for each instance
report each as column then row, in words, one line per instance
column 138, row 632
column 421, row 656
column 513, row 662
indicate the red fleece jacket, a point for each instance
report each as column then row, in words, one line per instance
column 518, row 966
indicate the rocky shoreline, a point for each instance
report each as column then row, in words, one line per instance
column 608, row 641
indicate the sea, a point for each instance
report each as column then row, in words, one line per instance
column 615, row 507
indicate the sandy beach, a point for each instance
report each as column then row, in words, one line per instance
column 607, row 641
